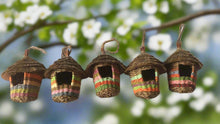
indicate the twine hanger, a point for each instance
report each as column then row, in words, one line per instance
column 142, row 48
column 103, row 50
column 66, row 51
column 179, row 41
column 34, row 48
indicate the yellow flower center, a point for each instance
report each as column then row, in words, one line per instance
column 42, row 14
column 72, row 35
column 89, row 26
column 160, row 43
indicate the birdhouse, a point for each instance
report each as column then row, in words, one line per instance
column 65, row 75
column 106, row 71
column 25, row 78
column 144, row 72
column 182, row 69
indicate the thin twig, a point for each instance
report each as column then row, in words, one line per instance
column 57, row 44
column 184, row 19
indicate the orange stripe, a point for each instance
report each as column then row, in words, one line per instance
column 147, row 90
column 30, row 75
column 106, row 82
column 174, row 75
column 137, row 80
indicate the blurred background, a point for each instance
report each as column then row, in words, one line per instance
column 87, row 24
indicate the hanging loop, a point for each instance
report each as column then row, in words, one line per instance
column 179, row 42
column 142, row 48
column 66, row 51
column 34, row 48
column 103, row 50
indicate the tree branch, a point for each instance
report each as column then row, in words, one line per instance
column 19, row 34
column 184, row 19
column 57, row 44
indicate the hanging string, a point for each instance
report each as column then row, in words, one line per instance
column 142, row 48
column 34, row 48
column 66, row 51
column 103, row 50
column 179, row 41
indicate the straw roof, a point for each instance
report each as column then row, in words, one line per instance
column 66, row 64
column 26, row 64
column 181, row 55
column 145, row 59
column 104, row 59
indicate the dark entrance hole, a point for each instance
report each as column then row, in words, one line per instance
column 17, row 78
column 148, row 74
column 105, row 71
column 64, row 78
column 185, row 70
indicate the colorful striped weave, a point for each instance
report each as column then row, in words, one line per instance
column 102, row 85
column 28, row 91
column 150, row 87
column 64, row 92
column 185, row 83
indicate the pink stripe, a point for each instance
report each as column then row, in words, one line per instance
column 23, row 94
column 181, row 82
column 64, row 90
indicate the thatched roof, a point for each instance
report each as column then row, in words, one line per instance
column 26, row 64
column 145, row 59
column 104, row 59
column 181, row 55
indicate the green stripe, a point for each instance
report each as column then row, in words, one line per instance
column 146, row 86
column 107, row 79
column 181, row 78
column 136, row 77
column 102, row 87
column 53, row 78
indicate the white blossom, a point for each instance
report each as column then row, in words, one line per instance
column 33, row 1
column 153, row 21
column 20, row 117
column 208, row 81
column 167, row 114
column 137, row 108
column 106, row 7
column 36, row 106
column 20, row 18
column 125, row 27
column 44, row 12
column 150, row 6
column 197, row 41
column 164, row 7
column 6, row 109
column 190, row 1
column 124, row 4
column 156, row 100
column 106, row 102
column 103, row 37
column 70, row 32
column 217, row 108
column 91, row 28
column 216, row 37
column 81, row 12
column 160, row 42
column 200, row 103
column 198, row 92
column 108, row 119
column 198, row 5
column 3, row 26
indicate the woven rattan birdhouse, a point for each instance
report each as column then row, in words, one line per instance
column 182, row 69
column 144, row 72
column 65, row 75
column 25, row 78
column 106, row 71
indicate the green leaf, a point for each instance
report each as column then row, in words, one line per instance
column 82, row 58
column 44, row 34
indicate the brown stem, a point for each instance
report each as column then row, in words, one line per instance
column 103, row 46
column 184, row 19
column 56, row 44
